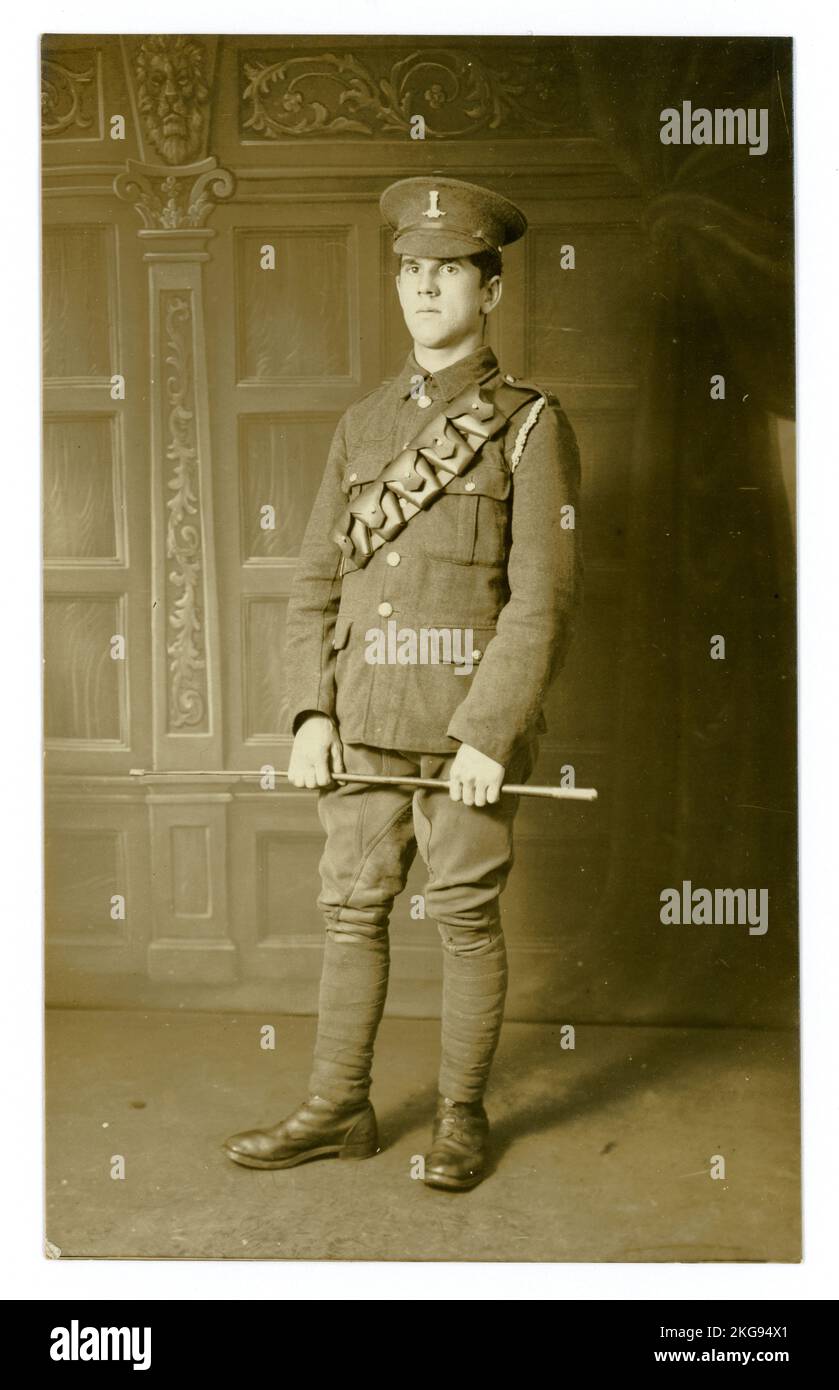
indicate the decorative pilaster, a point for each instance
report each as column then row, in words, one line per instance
column 174, row 199
column 174, row 204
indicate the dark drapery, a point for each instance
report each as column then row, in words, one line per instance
column 706, row 786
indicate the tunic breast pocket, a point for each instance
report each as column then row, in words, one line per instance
column 469, row 523
column 368, row 451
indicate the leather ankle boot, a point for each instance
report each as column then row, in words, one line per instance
column 457, row 1158
column 316, row 1128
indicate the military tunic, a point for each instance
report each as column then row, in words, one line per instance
column 494, row 556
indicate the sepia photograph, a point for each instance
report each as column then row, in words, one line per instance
column 418, row 493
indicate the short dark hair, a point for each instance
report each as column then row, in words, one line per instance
column 488, row 262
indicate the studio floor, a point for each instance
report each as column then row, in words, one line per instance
column 602, row 1152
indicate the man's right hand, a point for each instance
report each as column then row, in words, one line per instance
column 316, row 754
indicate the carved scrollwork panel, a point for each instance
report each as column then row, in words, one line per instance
column 458, row 95
column 71, row 107
column 185, row 646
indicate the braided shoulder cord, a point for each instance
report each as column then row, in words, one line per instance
column 521, row 437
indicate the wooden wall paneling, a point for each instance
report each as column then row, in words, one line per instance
column 95, row 478
column 86, row 697
column 84, row 490
column 275, row 840
column 189, row 833
column 247, row 373
column 81, row 340
column 276, row 401
column 95, row 467
column 96, row 846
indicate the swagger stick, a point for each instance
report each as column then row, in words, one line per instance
column 429, row 783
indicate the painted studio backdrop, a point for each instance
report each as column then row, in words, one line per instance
column 184, row 891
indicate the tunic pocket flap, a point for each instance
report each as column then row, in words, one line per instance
column 483, row 480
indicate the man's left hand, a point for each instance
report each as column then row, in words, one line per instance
column 475, row 779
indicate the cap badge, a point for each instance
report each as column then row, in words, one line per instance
column 432, row 210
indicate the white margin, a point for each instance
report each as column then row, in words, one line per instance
column 26, row 1274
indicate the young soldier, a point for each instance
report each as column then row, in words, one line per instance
column 448, row 502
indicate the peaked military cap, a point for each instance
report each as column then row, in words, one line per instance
column 446, row 218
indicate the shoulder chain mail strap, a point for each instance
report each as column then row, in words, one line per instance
column 443, row 450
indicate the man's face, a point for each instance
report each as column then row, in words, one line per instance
column 444, row 302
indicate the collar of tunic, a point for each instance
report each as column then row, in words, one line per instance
column 448, row 382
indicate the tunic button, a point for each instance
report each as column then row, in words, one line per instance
column 476, row 655
column 509, row 378
column 423, row 402
column 393, row 557
column 353, row 477
column 470, row 487
column 385, row 610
